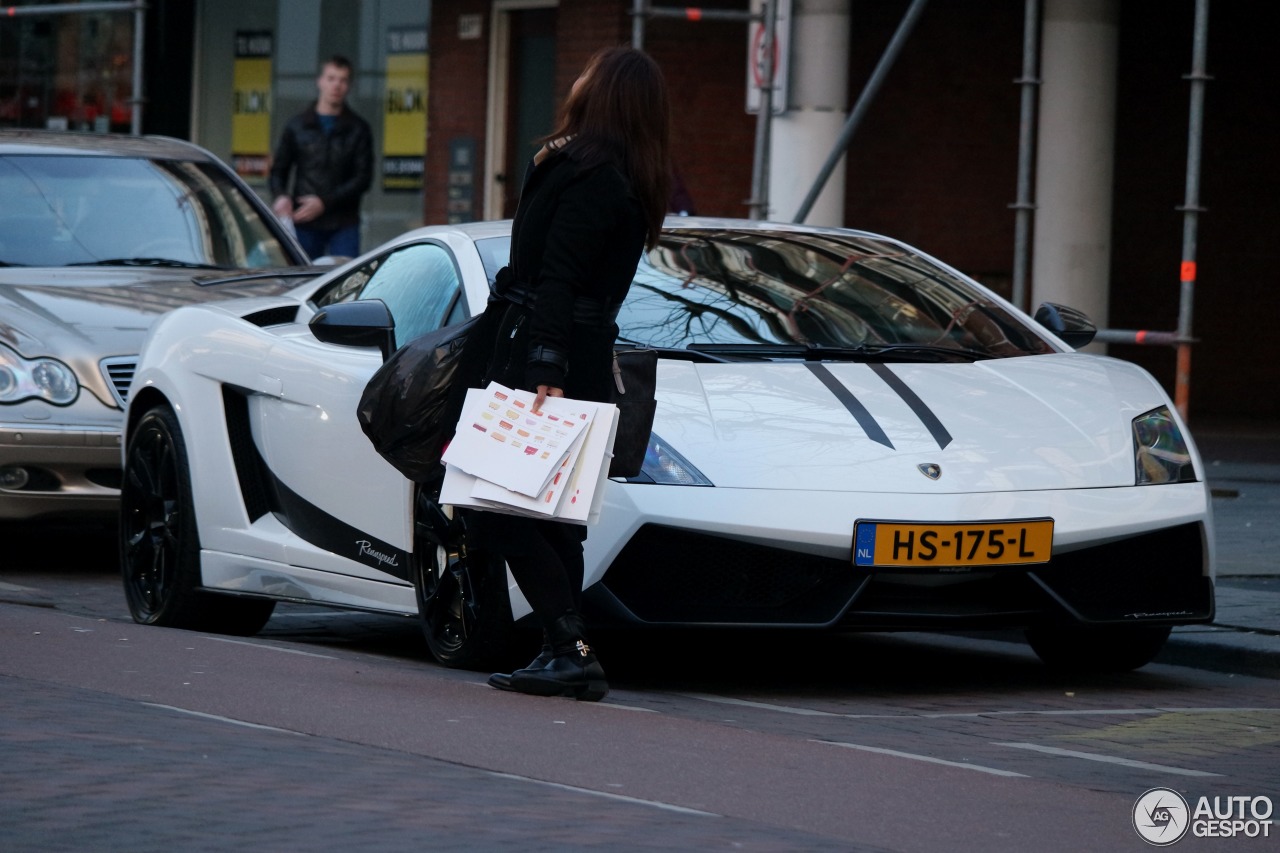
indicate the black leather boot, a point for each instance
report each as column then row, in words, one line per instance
column 502, row 681
column 572, row 671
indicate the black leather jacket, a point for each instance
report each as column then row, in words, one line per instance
column 337, row 166
column 575, row 244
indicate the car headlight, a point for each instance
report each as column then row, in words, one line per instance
column 664, row 466
column 40, row 378
column 1161, row 454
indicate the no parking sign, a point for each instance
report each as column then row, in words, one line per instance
column 756, row 57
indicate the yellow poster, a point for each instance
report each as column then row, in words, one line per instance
column 404, row 118
column 251, row 108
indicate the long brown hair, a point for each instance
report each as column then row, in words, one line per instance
column 618, row 112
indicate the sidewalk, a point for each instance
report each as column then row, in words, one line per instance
column 1242, row 464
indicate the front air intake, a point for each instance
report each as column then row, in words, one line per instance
column 119, row 375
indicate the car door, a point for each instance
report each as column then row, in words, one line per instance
column 350, row 509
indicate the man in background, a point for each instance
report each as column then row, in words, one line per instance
column 329, row 151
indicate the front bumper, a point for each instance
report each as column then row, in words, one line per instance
column 729, row 557
column 70, row 470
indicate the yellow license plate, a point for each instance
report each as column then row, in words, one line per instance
column 989, row 543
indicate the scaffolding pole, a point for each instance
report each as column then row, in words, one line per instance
column 1191, row 207
column 1182, row 339
column 860, row 109
column 1025, row 204
column 759, row 201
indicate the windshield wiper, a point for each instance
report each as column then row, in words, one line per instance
column 147, row 262
column 820, row 352
column 924, row 350
column 11, row 264
column 689, row 354
column 259, row 275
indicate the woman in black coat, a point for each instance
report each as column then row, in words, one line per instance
column 592, row 201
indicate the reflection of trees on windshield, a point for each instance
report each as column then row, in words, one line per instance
column 687, row 320
column 790, row 287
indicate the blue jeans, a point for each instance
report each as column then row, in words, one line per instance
column 318, row 242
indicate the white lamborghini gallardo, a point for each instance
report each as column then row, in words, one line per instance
column 850, row 436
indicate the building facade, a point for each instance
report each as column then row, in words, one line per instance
column 457, row 90
column 935, row 158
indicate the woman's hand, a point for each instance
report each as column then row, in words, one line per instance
column 545, row 391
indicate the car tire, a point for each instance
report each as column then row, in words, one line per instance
column 463, row 602
column 159, row 544
column 1097, row 648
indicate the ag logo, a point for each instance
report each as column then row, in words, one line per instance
column 1161, row 816
column 930, row 470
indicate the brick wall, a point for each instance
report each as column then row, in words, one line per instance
column 712, row 136
column 934, row 161
column 456, row 106
column 704, row 63
column 1237, row 294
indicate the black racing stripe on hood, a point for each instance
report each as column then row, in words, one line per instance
column 850, row 402
column 923, row 412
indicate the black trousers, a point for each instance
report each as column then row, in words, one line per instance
column 545, row 558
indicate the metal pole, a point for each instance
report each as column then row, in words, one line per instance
column 860, row 109
column 638, row 13
column 1026, row 150
column 139, row 27
column 1191, row 207
column 764, row 119
column 67, row 8
column 696, row 13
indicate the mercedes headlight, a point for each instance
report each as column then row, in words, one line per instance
column 665, row 467
column 35, row 378
column 1161, row 454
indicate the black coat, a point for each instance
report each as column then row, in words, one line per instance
column 337, row 166
column 576, row 241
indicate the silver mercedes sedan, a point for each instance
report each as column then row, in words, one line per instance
column 99, row 235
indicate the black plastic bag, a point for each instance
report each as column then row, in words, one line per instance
column 412, row 403
column 635, row 377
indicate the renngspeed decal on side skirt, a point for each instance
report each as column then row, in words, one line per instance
column 323, row 530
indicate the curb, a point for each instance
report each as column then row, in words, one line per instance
column 1227, row 650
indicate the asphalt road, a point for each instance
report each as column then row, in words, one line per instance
column 332, row 730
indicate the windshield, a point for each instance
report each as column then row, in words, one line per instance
column 66, row 210
column 778, row 294
column 744, row 289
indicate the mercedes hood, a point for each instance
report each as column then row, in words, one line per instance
column 104, row 311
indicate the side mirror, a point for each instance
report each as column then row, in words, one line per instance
column 363, row 323
column 1075, row 329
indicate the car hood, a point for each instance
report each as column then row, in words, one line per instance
column 1059, row 421
column 106, row 311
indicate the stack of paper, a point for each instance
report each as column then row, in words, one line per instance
column 507, row 458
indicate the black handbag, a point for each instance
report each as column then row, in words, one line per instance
column 411, row 405
column 635, row 377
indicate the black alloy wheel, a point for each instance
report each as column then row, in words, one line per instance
column 159, row 544
column 463, row 602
